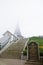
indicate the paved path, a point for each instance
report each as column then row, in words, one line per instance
column 12, row 62
column 17, row 62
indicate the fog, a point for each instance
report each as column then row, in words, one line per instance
column 27, row 13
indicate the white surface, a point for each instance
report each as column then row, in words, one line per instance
column 4, row 39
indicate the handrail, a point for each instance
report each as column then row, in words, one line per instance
column 25, row 44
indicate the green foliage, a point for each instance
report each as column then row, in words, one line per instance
column 25, row 52
column 39, row 40
column 41, row 50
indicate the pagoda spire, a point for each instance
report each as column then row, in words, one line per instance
column 17, row 30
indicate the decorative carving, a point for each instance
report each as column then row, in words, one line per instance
column 33, row 51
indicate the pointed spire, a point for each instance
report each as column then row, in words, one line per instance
column 17, row 30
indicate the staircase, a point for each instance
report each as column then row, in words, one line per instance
column 14, row 50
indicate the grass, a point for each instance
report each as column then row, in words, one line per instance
column 39, row 40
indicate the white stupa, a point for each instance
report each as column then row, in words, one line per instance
column 18, row 32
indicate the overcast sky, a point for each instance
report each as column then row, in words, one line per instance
column 28, row 13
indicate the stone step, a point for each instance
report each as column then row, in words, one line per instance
column 34, row 63
column 14, row 50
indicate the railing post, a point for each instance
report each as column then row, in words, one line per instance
column 21, row 55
